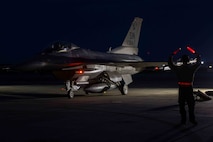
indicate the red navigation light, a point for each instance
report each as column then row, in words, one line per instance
column 190, row 49
column 80, row 71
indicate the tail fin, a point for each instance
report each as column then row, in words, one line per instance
column 130, row 43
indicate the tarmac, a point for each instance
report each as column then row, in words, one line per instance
column 149, row 113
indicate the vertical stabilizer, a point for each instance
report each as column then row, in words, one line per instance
column 130, row 43
column 132, row 37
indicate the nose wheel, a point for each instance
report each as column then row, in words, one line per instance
column 70, row 94
column 70, row 87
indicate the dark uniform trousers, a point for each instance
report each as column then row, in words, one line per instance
column 186, row 96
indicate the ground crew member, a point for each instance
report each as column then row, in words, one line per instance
column 185, row 74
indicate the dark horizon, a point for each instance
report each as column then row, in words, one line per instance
column 29, row 27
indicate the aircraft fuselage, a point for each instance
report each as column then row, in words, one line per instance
column 57, row 60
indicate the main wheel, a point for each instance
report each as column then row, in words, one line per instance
column 124, row 89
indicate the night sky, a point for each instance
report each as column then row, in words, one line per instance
column 29, row 26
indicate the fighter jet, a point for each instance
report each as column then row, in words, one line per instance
column 95, row 72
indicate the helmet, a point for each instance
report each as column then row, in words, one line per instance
column 185, row 58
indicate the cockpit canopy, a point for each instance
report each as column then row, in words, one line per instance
column 59, row 47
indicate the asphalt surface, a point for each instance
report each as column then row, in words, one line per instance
column 40, row 111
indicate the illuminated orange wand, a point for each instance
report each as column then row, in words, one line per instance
column 190, row 50
column 176, row 51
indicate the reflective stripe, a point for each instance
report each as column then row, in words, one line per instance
column 185, row 83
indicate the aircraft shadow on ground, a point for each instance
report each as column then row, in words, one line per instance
column 6, row 95
column 163, row 108
column 26, row 95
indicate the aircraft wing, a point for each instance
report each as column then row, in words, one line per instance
column 140, row 66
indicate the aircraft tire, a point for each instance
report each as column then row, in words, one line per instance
column 124, row 89
column 70, row 94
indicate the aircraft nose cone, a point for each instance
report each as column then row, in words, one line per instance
column 32, row 66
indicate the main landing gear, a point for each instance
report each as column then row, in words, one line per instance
column 70, row 87
column 123, row 88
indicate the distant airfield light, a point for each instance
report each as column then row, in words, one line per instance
column 210, row 66
column 63, row 89
column 202, row 62
column 156, row 68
